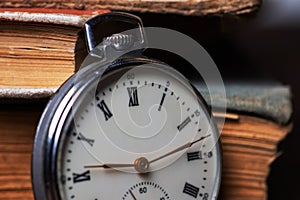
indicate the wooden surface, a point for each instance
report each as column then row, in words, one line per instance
column 248, row 149
column 184, row 7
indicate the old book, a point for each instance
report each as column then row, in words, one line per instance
column 249, row 147
column 37, row 46
column 248, row 143
column 185, row 7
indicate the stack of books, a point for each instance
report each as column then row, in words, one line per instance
column 37, row 54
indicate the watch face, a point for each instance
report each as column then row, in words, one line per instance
column 140, row 133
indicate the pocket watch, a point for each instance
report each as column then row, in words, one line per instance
column 125, row 126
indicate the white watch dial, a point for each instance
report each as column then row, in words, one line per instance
column 144, row 135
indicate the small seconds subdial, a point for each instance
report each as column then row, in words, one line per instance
column 146, row 190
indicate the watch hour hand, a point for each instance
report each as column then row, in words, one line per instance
column 141, row 165
column 109, row 166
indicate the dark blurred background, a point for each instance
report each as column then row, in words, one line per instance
column 272, row 42
column 263, row 45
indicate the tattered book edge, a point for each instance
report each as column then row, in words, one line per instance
column 67, row 17
column 26, row 93
column 182, row 7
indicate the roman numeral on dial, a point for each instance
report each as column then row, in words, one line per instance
column 184, row 123
column 85, row 176
column 190, row 190
column 194, row 155
column 133, row 96
column 88, row 140
column 106, row 112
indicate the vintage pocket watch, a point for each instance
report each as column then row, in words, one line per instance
column 127, row 128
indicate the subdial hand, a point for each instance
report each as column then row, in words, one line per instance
column 134, row 198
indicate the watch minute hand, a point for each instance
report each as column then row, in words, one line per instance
column 187, row 145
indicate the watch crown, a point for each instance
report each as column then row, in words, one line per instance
column 119, row 41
